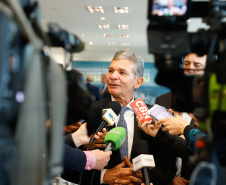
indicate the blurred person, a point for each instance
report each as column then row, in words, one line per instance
column 125, row 75
column 94, row 90
column 180, row 147
column 104, row 91
column 79, row 99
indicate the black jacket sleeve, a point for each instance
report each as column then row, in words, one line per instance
column 174, row 143
column 74, row 158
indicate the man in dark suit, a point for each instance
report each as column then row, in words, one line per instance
column 124, row 76
column 94, row 90
column 104, row 91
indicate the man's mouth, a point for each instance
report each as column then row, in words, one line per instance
column 113, row 85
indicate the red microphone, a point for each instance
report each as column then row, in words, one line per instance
column 140, row 108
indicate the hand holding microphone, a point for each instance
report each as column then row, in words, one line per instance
column 109, row 116
column 147, row 127
column 102, row 158
column 80, row 137
column 175, row 125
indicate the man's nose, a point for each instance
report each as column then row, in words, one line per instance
column 114, row 75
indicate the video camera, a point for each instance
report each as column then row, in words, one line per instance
column 169, row 41
column 33, row 94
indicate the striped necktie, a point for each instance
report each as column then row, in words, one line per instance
column 121, row 123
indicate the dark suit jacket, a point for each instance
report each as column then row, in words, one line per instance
column 165, row 168
column 72, row 154
column 165, row 161
column 74, row 160
column 94, row 90
column 178, row 145
column 106, row 94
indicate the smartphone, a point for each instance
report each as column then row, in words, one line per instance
column 158, row 112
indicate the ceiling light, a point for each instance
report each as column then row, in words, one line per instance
column 107, row 35
column 104, row 26
column 90, row 43
column 124, row 36
column 123, row 27
column 125, row 44
column 121, row 9
column 95, row 9
column 189, row 20
column 102, row 18
column 83, row 35
column 112, row 43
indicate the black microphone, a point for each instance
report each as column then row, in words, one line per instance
column 144, row 160
column 109, row 116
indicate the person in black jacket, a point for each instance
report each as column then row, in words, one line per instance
column 94, row 90
column 104, row 91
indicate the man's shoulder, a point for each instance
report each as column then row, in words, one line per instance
column 103, row 102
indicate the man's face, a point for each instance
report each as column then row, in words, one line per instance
column 121, row 79
column 194, row 64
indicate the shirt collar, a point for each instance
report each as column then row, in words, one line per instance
column 128, row 105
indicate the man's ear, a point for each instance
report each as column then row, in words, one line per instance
column 139, row 82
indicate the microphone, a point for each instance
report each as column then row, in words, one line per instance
column 140, row 108
column 109, row 116
column 143, row 161
column 114, row 138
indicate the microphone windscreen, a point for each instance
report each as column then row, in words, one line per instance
column 140, row 147
column 115, row 106
column 95, row 118
column 95, row 115
column 117, row 136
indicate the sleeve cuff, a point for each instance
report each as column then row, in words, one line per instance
column 187, row 130
column 90, row 160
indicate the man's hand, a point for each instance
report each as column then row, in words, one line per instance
column 99, row 140
column 121, row 175
column 72, row 128
column 80, row 137
column 147, row 127
column 102, row 159
column 179, row 181
column 175, row 125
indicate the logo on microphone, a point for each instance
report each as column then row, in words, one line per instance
column 114, row 131
column 147, row 159
column 111, row 116
column 137, row 161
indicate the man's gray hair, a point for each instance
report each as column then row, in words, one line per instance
column 130, row 55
